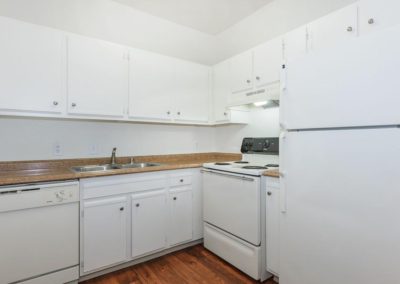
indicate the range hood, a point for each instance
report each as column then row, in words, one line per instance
column 268, row 93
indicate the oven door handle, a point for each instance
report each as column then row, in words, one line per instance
column 228, row 175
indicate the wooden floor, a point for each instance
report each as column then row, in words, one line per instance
column 191, row 265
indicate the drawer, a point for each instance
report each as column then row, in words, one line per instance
column 178, row 180
column 240, row 254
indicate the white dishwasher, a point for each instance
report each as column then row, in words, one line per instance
column 39, row 233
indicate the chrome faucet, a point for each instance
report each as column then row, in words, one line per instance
column 113, row 162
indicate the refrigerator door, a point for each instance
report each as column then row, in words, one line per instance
column 355, row 83
column 340, row 220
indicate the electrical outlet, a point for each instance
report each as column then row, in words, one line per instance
column 57, row 150
column 93, row 149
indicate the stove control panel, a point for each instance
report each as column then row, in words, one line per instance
column 264, row 145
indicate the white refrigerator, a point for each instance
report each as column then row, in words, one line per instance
column 340, row 164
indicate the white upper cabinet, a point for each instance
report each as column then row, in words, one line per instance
column 333, row 28
column 267, row 63
column 192, row 83
column 241, row 67
column 166, row 88
column 32, row 68
column 374, row 14
column 152, row 85
column 221, row 91
column 295, row 44
column 98, row 80
column 255, row 74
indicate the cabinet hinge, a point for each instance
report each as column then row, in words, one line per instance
column 82, row 214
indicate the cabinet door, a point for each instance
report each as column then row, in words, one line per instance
column 273, row 214
column 267, row 62
column 97, row 77
column 378, row 14
column 193, row 88
column 152, row 85
column 181, row 215
column 295, row 44
column 241, row 72
column 148, row 222
column 221, row 91
column 31, row 70
column 104, row 232
column 333, row 28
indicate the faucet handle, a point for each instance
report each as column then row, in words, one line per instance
column 132, row 160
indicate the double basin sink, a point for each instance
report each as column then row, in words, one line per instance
column 111, row 167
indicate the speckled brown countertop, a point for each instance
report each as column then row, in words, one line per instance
column 271, row 173
column 56, row 170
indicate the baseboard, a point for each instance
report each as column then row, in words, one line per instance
column 139, row 260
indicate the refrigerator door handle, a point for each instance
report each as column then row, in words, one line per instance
column 282, row 173
column 282, row 196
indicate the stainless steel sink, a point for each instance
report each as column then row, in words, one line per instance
column 110, row 167
column 139, row 165
column 95, row 168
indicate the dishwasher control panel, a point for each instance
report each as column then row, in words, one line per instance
column 38, row 195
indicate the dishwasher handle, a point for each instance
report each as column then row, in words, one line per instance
column 228, row 175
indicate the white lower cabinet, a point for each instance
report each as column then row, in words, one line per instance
column 126, row 217
column 181, row 215
column 148, row 222
column 272, row 225
column 104, row 232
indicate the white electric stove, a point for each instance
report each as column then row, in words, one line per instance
column 259, row 155
column 234, row 195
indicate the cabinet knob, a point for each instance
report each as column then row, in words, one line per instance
column 178, row 113
column 248, row 81
column 168, row 112
column 175, row 198
column 349, row 29
column 137, row 205
column 55, row 103
column 181, row 180
column 371, row 21
column 73, row 104
column 269, row 193
column 225, row 113
column 258, row 78
column 121, row 209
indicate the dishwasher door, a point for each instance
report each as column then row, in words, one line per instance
column 232, row 203
column 39, row 227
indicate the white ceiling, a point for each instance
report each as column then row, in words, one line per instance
column 209, row 16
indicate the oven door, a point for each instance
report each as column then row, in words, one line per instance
column 232, row 203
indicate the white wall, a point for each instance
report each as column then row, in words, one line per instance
column 115, row 22
column 272, row 20
column 34, row 139
column 263, row 123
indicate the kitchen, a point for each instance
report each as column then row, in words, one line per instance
column 217, row 142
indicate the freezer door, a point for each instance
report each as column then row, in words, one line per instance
column 341, row 209
column 355, row 83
